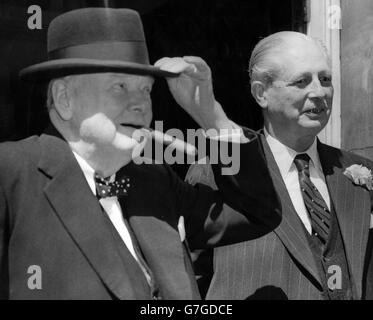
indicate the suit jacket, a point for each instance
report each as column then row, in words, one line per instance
column 50, row 218
column 280, row 264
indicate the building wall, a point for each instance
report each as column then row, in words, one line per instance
column 324, row 23
column 356, row 76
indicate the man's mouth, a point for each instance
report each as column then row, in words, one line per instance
column 315, row 111
column 131, row 125
column 318, row 109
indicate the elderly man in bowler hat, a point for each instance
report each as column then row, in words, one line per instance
column 78, row 218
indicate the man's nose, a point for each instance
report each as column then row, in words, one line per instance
column 138, row 107
column 140, row 104
column 316, row 89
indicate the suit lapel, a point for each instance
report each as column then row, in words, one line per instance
column 81, row 214
column 152, row 223
column 290, row 231
column 163, row 250
column 352, row 207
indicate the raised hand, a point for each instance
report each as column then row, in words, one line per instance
column 193, row 90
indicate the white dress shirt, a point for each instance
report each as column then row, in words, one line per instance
column 284, row 157
column 112, row 208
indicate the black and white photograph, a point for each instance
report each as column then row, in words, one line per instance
column 206, row 152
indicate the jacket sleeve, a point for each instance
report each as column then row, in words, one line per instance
column 11, row 161
column 243, row 206
column 4, row 274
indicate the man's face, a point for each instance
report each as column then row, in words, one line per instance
column 300, row 98
column 108, row 107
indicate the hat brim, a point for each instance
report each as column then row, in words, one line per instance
column 63, row 67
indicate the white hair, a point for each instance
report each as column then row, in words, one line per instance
column 261, row 67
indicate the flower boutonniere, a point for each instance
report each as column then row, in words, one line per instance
column 360, row 175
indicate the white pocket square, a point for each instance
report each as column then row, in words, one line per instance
column 181, row 228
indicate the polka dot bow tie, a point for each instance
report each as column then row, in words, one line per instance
column 106, row 189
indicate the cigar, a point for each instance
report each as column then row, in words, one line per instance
column 167, row 140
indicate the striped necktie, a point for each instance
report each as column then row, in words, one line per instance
column 313, row 200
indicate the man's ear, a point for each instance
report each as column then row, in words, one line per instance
column 61, row 99
column 259, row 92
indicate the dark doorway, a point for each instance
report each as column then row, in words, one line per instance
column 222, row 32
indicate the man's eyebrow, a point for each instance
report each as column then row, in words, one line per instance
column 295, row 77
column 327, row 72
column 300, row 74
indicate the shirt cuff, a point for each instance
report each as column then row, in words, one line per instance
column 233, row 134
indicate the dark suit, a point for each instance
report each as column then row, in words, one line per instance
column 50, row 218
column 280, row 264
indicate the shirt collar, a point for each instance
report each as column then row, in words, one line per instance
column 88, row 171
column 284, row 155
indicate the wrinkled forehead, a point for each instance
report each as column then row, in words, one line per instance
column 300, row 56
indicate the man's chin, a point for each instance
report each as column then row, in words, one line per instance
column 314, row 121
column 313, row 126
